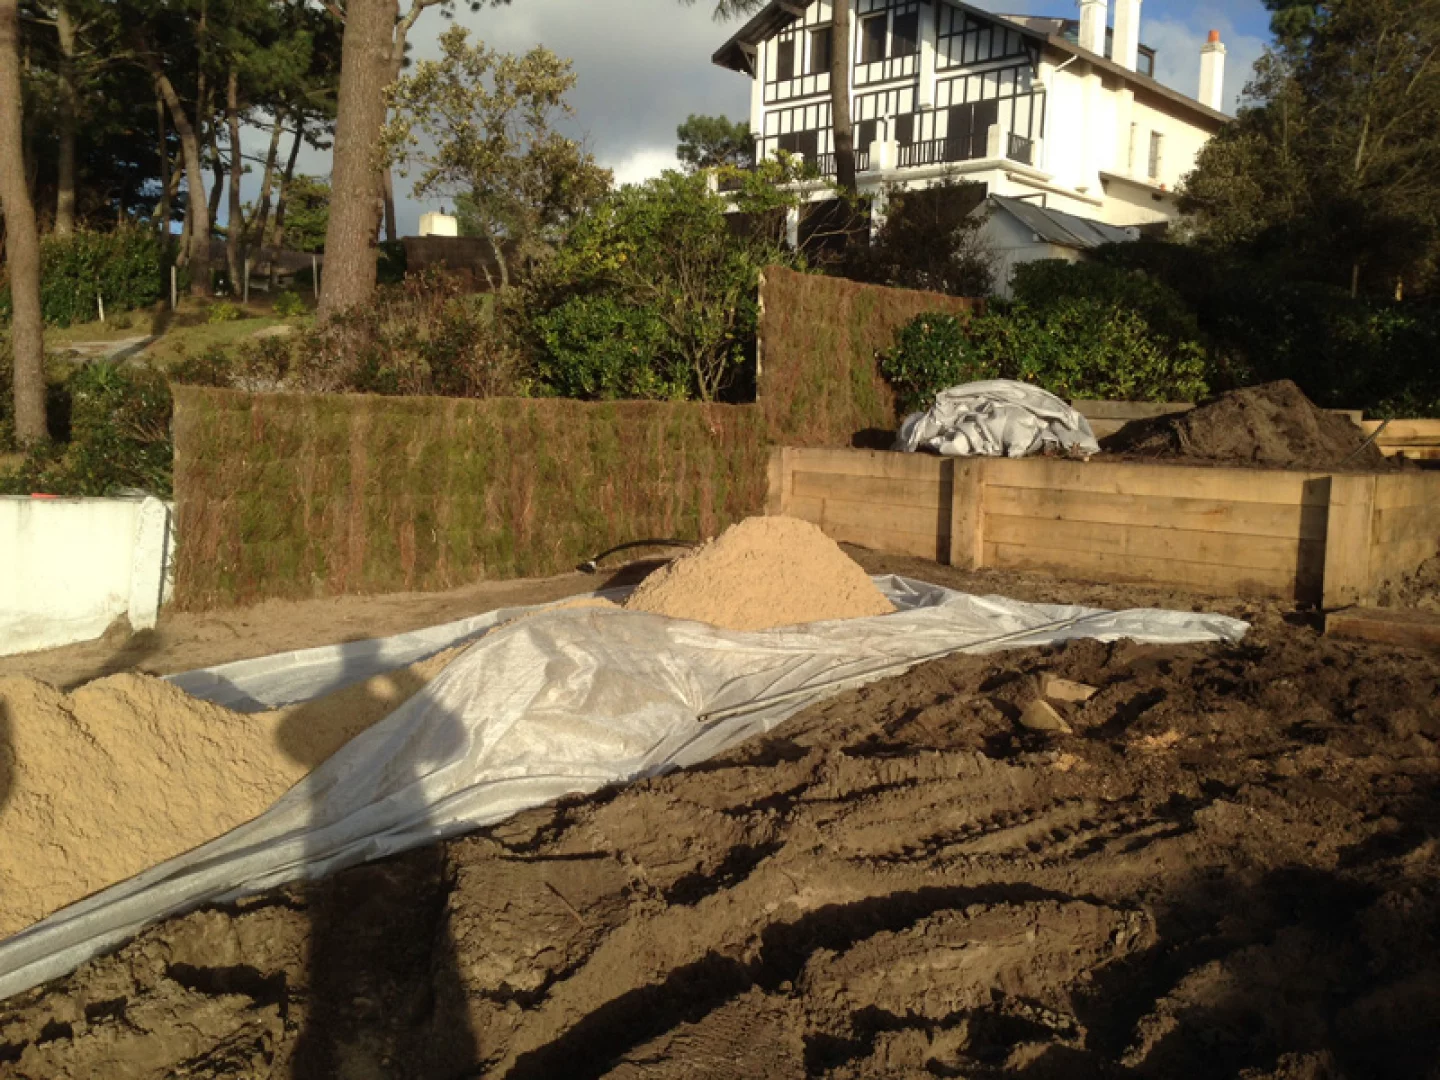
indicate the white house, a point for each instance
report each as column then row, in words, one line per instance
column 1022, row 230
column 1065, row 114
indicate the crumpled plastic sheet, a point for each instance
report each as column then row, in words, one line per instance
column 997, row 418
column 533, row 710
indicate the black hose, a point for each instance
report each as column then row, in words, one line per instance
column 591, row 566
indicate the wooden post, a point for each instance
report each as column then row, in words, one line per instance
column 1349, row 537
column 174, row 287
column 315, row 275
column 967, row 514
column 245, row 288
column 781, row 473
column 100, row 303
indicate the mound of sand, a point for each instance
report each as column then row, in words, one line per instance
column 763, row 572
column 1274, row 424
column 126, row 772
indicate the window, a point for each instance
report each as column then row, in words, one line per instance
column 866, row 132
column 1157, row 152
column 820, row 50
column 905, row 41
column 905, row 129
column 785, row 60
column 872, row 39
column 806, row 143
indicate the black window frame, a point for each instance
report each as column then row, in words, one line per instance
column 897, row 40
column 785, row 50
column 868, row 38
column 822, row 42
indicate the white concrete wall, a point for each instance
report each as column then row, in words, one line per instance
column 70, row 567
column 1011, row 244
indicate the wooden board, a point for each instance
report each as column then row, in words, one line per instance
column 968, row 502
column 931, row 494
column 1388, row 626
column 870, row 463
column 1160, row 511
column 1259, row 553
column 1174, row 481
column 1102, row 567
column 1125, row 411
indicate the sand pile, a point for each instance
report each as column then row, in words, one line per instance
column 1274, row 424
column 129, row 771
column 761, row 573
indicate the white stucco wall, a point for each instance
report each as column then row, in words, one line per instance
column 1012, row 244
column 72, row 566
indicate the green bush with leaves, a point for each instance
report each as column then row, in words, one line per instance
column 931, row 353
column 288, row 304
column 126, row 267
column 119, row 438
column 222, row 311
column 660, row 275
column 596, row 347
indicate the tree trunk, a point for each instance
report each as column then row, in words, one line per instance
column 196, row 209
column 22, row 242
column 162, row 212
column 278, row 240
column 217, row 170
column 365, row 69
column 256, row 234
column 66, row 124
column 236, row 228
column 844, row 132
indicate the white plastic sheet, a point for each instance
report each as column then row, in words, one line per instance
column 997, row 418
column 536, row 709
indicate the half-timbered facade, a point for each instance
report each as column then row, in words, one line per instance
column 1066, row 113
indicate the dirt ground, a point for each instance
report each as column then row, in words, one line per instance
column 1229, row 866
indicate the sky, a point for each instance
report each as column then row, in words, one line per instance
column 644, row 65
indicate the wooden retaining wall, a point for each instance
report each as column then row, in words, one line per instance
column 1312, row 537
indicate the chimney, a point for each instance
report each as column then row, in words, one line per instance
column 1127, row 33
column 1212, row 72
column 1094, row 18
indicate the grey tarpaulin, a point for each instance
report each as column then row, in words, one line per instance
column 533, row 710
column 998, row 418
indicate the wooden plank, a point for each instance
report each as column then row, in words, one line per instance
column 1407, row 489
column 1391, row 561
column 1265, row 553
column 872, row 489
column 1348, row 543
column 891, row 541
column 1401, row 523
column 1160, row 512
column 880, row 518
column 1175, row 481
column 1126, row 411
column 777, row 480
column 968, row 497
column 874, row 463
column 1387, row 626
column 1404, row 429
column 1203, row 578
column 812, row 510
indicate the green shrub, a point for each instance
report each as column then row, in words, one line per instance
column 931, row 353
column 288, row 304
column 119, row 438
column 596, row 347
column 126, row 267
column 222, row 311
column 1078, row 348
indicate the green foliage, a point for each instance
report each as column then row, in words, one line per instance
column 307, row 214
column 677, row 273
column 119, row 438
column 127, row 267
column 222, row 311
column 1042, row 285
column 598, row 348
column 706, row 142
column 288, row 304
column 391, row 262
column 932, row 352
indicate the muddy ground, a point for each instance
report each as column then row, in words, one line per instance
column 1228, row 867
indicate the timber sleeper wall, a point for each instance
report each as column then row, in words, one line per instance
column 1313, row 537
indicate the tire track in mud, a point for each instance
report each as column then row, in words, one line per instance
column 1231, row 866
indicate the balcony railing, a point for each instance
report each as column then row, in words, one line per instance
column 939, row 152
column 1020, row 149
column 825, row 163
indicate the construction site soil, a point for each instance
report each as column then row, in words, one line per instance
column 1274, row 425
column 1225, row 863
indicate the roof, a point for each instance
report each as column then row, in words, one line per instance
column 738, row 53
column 1058, row 227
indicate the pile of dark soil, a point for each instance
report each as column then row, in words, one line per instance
column 1226, row 863
column 1274, row 425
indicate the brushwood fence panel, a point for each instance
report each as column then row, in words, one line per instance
column 819, row 383
column 282, row 495
column 1315, row 537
